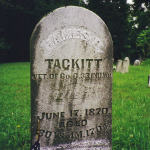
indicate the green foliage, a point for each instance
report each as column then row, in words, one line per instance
column 139, row 20
column 15, row 106
column 115, row 15
column 143, row 42
column 146, row 62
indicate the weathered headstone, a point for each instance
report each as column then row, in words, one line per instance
column 136, row 63
column 71, row 81
column 125, row 66
column 128, row 60
column 119, row 66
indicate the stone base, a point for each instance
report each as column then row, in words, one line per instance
column 85, row 145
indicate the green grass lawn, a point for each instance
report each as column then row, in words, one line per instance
column 15, row 106
column 131, row 108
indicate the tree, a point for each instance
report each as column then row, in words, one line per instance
column 139, row 20
column 143, row 43
column 115, row 15
column 17, row 21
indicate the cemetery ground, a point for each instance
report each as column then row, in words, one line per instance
column 131, row 108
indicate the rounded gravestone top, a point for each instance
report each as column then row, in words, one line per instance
column 71, row 24
column 136, row 63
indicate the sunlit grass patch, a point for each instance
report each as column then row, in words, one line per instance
column 15, row 106
column 131, row 103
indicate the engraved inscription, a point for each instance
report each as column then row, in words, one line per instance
column 72, row 33
column 73, row 120
column 74, row 113
column 67, row 64
column 73, row 135
column 98, row 75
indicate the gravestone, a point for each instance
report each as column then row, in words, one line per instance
column 128, row 60
column 71, row 81
column 125, row 66
column 119, row 66
column 136, row 63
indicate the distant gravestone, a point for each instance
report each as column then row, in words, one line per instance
column 125, row 66
column 71, row 81
column 128, row 60
column 119, row 66
column 136, row 63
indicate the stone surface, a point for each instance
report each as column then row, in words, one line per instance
column 136, row 63
column 125, row 66
column 128, row 60
column 119, row 66
column 71, row 81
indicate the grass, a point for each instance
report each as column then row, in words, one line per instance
column 15, row 106
column 131, row 108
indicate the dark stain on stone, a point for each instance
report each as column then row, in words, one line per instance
column 34, row 83
column 33, row 41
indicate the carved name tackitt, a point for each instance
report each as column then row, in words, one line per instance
column 67, row 64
